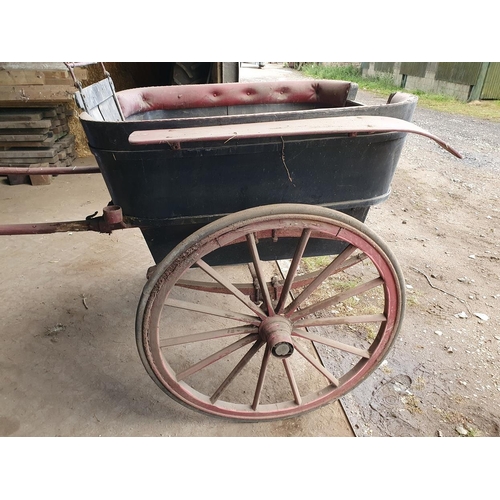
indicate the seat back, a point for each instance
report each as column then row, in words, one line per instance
column 321, row 93
column 99, row 101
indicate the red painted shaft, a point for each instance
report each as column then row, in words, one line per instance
column 48, row 170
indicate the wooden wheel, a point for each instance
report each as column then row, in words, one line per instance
column 316, row 327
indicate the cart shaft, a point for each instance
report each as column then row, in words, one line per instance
column 111, row 220
column 48, row 170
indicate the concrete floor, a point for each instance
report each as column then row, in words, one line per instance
column 68, row 359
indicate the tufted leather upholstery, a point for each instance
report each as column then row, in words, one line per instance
column 323, row 93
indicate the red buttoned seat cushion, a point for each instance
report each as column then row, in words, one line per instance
column 322, row 93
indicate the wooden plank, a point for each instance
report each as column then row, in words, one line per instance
column 12, row 154
column 80, row 73
column 36, row 94
column 60, row 135
column 30, row 104
column 50, row 113
column 15, row 180
column 31, row 128
column 94, row 94
column 38, row 113
column 21, row 114
column 36, row 180
column 69, row 149
column 13, row 136
column 109, row 110
column 40, row 180
column 49, row 141
column 18, row 124
column 68, row 140
column 63, row 77
column 306, row 127
column 21, row 77
column 58, row 81
column 20, row 162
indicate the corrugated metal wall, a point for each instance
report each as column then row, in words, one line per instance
column 413, row 69
column 384, row 67
column 464, row 80
column 465, row 73
column 491, row 87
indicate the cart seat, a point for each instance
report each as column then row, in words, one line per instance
column 320, row 93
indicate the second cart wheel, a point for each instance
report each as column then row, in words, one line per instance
column 284, row 337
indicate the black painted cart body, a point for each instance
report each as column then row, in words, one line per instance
column 276, row 175
column 194, row 182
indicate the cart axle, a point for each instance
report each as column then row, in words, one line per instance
column 277, row 332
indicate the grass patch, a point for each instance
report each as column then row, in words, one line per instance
column 368, row 303
column 383, row 84
column 412, row 299
column 312, row 264
column 412, row 404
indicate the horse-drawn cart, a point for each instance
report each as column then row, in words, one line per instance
column 270, row 295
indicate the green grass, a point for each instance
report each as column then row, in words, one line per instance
column 381, row 84
column 488, row 110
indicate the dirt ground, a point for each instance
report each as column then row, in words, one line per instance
column 69, row 366
column 442, row 220
column 68, row 359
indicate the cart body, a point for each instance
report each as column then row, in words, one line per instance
column 185, row 186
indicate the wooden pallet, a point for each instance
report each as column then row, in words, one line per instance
column 35, row 137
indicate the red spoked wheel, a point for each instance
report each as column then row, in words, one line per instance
column 280, row 338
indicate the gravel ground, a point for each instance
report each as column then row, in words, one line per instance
column 442, row 221
column 442, row 377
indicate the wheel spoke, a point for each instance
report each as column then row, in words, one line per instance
column 237, row 369
column 316, row 364
column 213, row 311
column 336, row 299
column 208, row 286
column 299, row 251
column 332, row 343
column 216, row 356
column 231, row 288
column 293, row 383
column 329, row 270
column 214, row 334
column 262, row 376
column 260, row 274
column 341, row 320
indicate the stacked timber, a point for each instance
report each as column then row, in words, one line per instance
column 36, row 101
column 36, row 84
column 35, row 137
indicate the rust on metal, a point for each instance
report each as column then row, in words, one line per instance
column 277, row 332
column 111, row 220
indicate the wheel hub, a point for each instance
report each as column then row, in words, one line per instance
column 277, row 332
